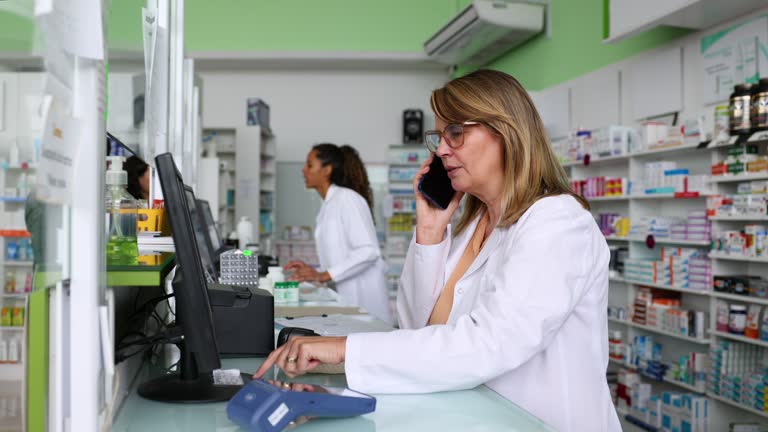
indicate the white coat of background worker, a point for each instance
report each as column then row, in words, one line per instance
column 345, row 235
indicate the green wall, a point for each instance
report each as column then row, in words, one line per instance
column 314, row 25
column 576, row 46
column 272, row 25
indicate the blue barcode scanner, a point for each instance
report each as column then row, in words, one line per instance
column 262, row 406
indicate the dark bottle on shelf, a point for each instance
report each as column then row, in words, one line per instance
column 739, row 110
column 759, row 106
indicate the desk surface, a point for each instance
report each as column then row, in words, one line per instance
column 476, row 410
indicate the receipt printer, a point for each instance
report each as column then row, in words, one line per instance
column 244, row 319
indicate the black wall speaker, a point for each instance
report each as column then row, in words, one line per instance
column 413, row 126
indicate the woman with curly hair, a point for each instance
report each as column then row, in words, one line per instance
column 345, row 235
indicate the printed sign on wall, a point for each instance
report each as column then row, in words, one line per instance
column 735, row 55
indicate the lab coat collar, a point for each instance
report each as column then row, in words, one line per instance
column 332, row 189
column 328, row 195
column 490, row 245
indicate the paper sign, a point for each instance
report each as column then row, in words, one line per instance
column 75, row 24
column 2, row 105
column 150, row 41
column 733, row 56
column 61, row 137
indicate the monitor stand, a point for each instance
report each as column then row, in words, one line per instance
column 187, row 385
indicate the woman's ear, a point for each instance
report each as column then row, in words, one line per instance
column 327, row 170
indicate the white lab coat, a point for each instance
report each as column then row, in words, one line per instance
column 348, row 249
column 529, row 320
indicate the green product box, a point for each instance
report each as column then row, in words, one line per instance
column 5, row 317
column 17, row 318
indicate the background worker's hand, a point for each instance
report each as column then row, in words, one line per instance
column 303, row 272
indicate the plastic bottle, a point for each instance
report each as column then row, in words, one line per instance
column 3, row 351
column 13, row 157
column 739, row 109
column 275, row 274
column 122, row 211
column 266, row 284
column 276, row 277
column 23, row 186
column 759, row 111
column 244, row 232
column 291, row 294
column 13, row 351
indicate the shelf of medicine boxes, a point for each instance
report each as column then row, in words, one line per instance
column 668, row 288
column 646, row 197
column 762, row 175
column 671, row 150
column 737, row 257
column 737, row 405
column 664, row 151
column 629, row 323
column 738, row 338
column 739, row 218
column 660, row 241
column 740, row 298
column 665, row 380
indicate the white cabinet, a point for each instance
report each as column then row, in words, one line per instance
column 554, row 107
column 125, row 106
column 630, row 17
column 595, row 100
column 9, row 102
column 655, row 82
column 246, row 181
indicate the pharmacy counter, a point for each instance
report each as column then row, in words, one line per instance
column 475, row 410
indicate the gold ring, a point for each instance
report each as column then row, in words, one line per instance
column 291, row 359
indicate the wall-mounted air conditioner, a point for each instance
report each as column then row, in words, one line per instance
column 485, row 30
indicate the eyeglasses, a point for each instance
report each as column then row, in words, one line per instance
column 453, row 135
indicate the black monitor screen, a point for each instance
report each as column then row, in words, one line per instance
column 213, row 232
column 200, row 235
column 193, row 309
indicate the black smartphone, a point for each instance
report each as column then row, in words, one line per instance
column 436, row 186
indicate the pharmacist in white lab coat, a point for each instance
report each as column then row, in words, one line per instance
column 345, row 236
column 513, row 296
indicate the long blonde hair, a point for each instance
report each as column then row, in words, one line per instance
column 498, row 101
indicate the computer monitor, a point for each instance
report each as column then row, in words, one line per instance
column 213, row 232
column 115, row 147
column 194, row 320
column 201, row 235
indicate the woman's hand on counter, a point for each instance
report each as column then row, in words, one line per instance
column 301, row 354
column 303, row 272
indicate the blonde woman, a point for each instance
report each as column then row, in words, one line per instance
column 514, row 296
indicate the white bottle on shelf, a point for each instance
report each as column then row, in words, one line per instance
column 244, row 232
column 3, row 351
column 13, row 351
column 275, row 275
column 266, row 284
column 13, row 157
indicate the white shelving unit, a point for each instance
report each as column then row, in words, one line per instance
column 16, row 274
column 622, row 290
column 225, row 146
column 400, row 206
column 660, row 331
column 268, row 185
column 247, row 178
